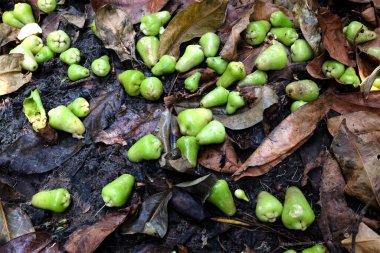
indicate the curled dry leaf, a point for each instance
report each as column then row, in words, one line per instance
column 197, row 19
column 369, row 15
column 200, row 186
column 7, row 34
column 287, row 137
column 263, row 10
column 11, row 78
column 367, row 240
column 314, row 67
column 248, row 55
column 32, row 243
column 76, row 20
column 50, row 23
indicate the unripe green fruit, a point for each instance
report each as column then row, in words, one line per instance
column 256, row 32
column 93, row 26
column 376, row 83
column 279, row 19
column 296, row 105
column 58, row 41
column 151, row 88
column 76, row 72
column 189, row 148
column 217, row 63
column 374, row 51
column 234, row 102
column 163, row 16
column 166, row 65
column 305, row 90
column 80, row 107
column 33, row 43
column 290, row 251
column 192, row 121
column 192, row 82
column 24, row 13
column 217, row 96
column 28, row 63
column 148, row 147
column 63, row 119
column 150, row 25
column 210, row 44
column 318, row 248
column 70, row 56
column 147, row 47
column 240, row 194
column 221, row 197
column 349, row 77
column 34, row 110
column 258, row 77
column 44, row 54
column 56, row 200
column 333, row 69
column 192, row 57
column 301, row 51
column 268, row 207
column 10, row 19
column 101, row 66
column 285, row 35
column 131, row 81
column 362, row 32
column 47, row 6
column 235, row 72
column 272, row 58
column 213, row 133
column 297, row 213
column 117, row 192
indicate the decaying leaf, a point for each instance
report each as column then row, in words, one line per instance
column 194, row 21
column 248, row 54
column 263, row 10
column 88, row 238
column 366, row 85
column 287, row 137
column 76, row 20
column 200, row 186
column 369, row 15
column 38, row 242
column 354, row 102
column 367, row 240
column 11, row 78
column 314, row 67
column 7, row 34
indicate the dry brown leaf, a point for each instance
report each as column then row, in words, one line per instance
column 263, row 10
column 248, row 54
column 7, row 34
column 369, row 15
column 368, row 81
column 314, row 67
column 367, row 241
column 38, row 242
column 287, row 137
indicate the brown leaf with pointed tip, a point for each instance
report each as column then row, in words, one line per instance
column 7, row 34
column 194, row 21
column 314, row 67
column 38, row 242
column 287, row 137
column 367, row 240
column 248, row 54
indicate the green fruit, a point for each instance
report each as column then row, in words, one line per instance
column 63, row 119
column 268, row 207
column 163, row 16
column 150, row 25
column 285, row 35
column 297, row 213
column 217, row 96
column 296, row 105
column 234, row 102
column 192, row 82
column 332, row 69
column 213, row 133
column 301, row 51
column 192, row 57
column 256, row 32
column 210, row 44
column 147, row 47
column 80, row 107
column 58, row 41
column 44, row 54
column 56, row 200
column 349, row 77
column 151, row 88
column 240, row 194
column 235, row 72
column 76, row 72
column 10, row 19
column 290, row 251
column 33, row 43
column 318, row 248
column 189, row 148
column 279, row 19
column 258, row 77
column 148, row 147
column 28, row 63
column 192, row 121
column 34, row 110
column 272, row 58
column 374, row 51
column 70, row 56
column 217, row 63
column 131, row 81
column 24, row 13
column 376, row 83
column 93, row 26
column 221, row 197
column 47, row 6
column 166, row 65
column 362, row 32
column 101, row 66
column 305, row 90
column 117, row 192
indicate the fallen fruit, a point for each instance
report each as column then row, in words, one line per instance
column 374, row 51
column 256, row 32
column 101, row 66
column 192, row 82
column 258, row 77
column 359, row 33
column 268, row 207
column 70, row 56
column 234, row 102
column 80, row 107
column 240, row 194
column 210, row 44
column 166, row 65
column 131, row 81
column 24, row 13
column 218, row 64
column 147, row 47
column 296, row 105
column 217, row 96
column 285, row 35
column 44, row 54
column 333, row 69
column 117, row 192
column 234, row 72
column 150, row 25
column 301, row 51
column 58, row 41
column 349, row 77
column 9, row 18
column 272, row 58
column 56, row 200
column 33, row 43
column 318, row 248
column 290, row 251
column 47, row 6
column 63, row 119
column 34, row 110
column 305, row 90
column 149, row 147
column 192, row 57
column 191, row 121
column 189, row 148
column 213, row 133
column 28, row 63
column 76, row 72
column 221, row 197
column 279, row 19
column 151, row 88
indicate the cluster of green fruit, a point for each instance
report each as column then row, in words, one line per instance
column 318, row 248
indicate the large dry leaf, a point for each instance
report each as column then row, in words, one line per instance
column 7, row 34
column 38, row 242
column 197, row 19
column 287, row 137
column 360, row 164
column 367, row 241
column 11, row 78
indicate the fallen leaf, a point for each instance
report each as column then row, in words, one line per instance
column 7, row 34
column 360, row 164
column 314, row 67
column 368, row 79
column 264, row 9
column 248, row 54
column 369, row 15
column 8, row 192
column 367, row 240
column 50, row 23
column 88, row 238
column 200, row 186
column 194, row 21
column 38, row 242
column 287, row 137
column 76, row 20
column 11, row 78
